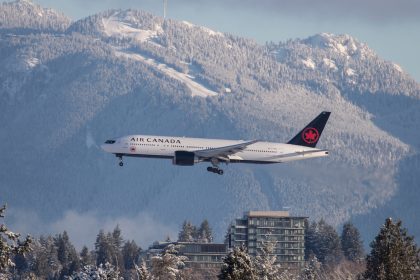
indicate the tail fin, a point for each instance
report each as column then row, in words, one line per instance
column 310, row 135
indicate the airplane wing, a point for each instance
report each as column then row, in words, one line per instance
column 223, row 152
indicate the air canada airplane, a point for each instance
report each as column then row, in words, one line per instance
column 189, row 151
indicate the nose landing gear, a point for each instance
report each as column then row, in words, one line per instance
column 121, row 163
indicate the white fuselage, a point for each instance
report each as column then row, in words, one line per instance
column 165, row 147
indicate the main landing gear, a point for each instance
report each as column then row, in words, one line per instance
column 121, row 163
column 215, row 170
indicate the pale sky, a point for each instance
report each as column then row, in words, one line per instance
column 389, row 27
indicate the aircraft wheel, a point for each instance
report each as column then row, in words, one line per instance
column 210, row 169
column 220, row 172
column 121, row 163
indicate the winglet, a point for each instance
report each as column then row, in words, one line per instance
column 310, row 135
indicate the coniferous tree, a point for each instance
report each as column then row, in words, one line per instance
column 312, row 270
column 67, row 255
column 187, row 233
column 351, row 243
column 10, row 245
column 103, row 248
column 394, row 255
column 45, row 263
column 131, row 254
column 238, row 265
column 117, row 242
column 265, row 262
column 226, row 238
column 205, row 234
column 86, row 257
column 329, row 246
column 169, row 264
column 142, row 271
column 101, row 272
column 323, row 241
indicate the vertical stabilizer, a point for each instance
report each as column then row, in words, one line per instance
column 310, row 135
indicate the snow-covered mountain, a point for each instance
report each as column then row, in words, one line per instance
column 62, row 93
column 30, row 18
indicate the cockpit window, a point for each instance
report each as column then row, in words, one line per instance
column 109, row 141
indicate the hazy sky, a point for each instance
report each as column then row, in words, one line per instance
column 390, row 27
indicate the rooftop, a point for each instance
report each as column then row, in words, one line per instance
column 269, row 214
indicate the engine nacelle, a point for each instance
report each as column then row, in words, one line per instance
column 184, row 158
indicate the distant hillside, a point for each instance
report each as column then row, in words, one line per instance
column 23, row 16
column 121, row 72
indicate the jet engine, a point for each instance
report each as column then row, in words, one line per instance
column 184, row 158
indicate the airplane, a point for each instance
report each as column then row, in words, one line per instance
column 185, row 151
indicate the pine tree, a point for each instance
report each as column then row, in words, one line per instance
column 85, row 257
column 131, row 254
column 168, row 265
column 323, row 241
column 351, row 243
column 103, row 248
column 394, row 255
column 45, row 263
column 117, row 242
column 265, row 262
column 10, row 245
column 238, row 265
column 187, row 233
column 101, row 272
column 67, row 255
column 329, row 245
column 205, row 234
column 312, row 270
column 142, row 271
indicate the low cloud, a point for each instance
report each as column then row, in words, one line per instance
column 84, row 227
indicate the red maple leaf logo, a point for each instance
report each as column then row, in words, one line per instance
column 310, row 135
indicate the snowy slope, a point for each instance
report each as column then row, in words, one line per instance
column 140, row 75
column 195, row 88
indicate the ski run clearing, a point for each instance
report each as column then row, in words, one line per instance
column 196, row 88
column 114, row 27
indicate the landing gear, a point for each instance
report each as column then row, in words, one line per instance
column 121, row 163
column 215, row 170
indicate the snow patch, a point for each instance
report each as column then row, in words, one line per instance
column 330, row 63
column 114, row 27
column 228, row 90
column 189, row 24
column 211, row 32
column 398, row 68
column 341, row 49
column 196, row 88
column 350, row 72
column 32, row 62
column 205, row 29
column 309, row 63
